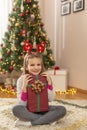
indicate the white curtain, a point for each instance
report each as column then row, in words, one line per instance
column 5, row 9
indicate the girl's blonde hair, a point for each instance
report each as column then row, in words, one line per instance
column 31, row 56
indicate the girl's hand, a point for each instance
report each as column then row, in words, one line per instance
column 26, row 79
column 48, row 78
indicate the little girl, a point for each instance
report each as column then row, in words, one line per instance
column 33, row 65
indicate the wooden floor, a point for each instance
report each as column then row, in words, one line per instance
column 78, row 95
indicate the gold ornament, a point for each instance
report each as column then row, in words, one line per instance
column 0, row 68
column 44, row 34
column 34, row 6
column 15, row 3
column 22, row 69
column 17, row 24
column 12, row 62
column 13, row 36
column 19, row 57
column 51, row 57
column 13, row 19
column 22, row 43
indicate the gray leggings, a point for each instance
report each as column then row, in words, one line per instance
column 54, row 114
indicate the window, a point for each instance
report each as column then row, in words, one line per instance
column 5, row 9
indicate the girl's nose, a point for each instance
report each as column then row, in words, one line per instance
column 36, row 67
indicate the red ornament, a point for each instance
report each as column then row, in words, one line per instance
column 27, row 41
column 28, row 1
column 14, row 9
column 22, row 14
column 11, row 68
column 42, row 44
column 10, row 27
column 23, row 32
column 27, row 12
column 9, row 52
column 36, row 33
column 4, row 72
column 28, row 46
column 13, row 88
column 1, row 44
column 26, row 22
column 40, row 48
column 41, row 24
column 0, row 59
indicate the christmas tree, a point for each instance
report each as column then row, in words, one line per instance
column 25, row 33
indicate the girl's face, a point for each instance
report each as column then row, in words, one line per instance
column 35, row 66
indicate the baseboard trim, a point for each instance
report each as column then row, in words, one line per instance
column 79, row 90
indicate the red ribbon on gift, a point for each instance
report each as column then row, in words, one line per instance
column 56, row 68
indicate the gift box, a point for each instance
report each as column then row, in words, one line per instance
column 37, row 94
column 59, row 79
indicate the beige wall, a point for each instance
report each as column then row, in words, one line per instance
column 47, row 8
column 71, row 42
column 72, row 48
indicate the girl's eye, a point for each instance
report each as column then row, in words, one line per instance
column 38, row 64
column 32, row 65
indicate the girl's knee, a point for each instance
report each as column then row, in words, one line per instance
column 14, row 109
column 61, row 109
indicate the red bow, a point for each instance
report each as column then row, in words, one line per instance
column 56, row 68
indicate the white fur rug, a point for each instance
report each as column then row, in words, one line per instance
column 75, row 119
